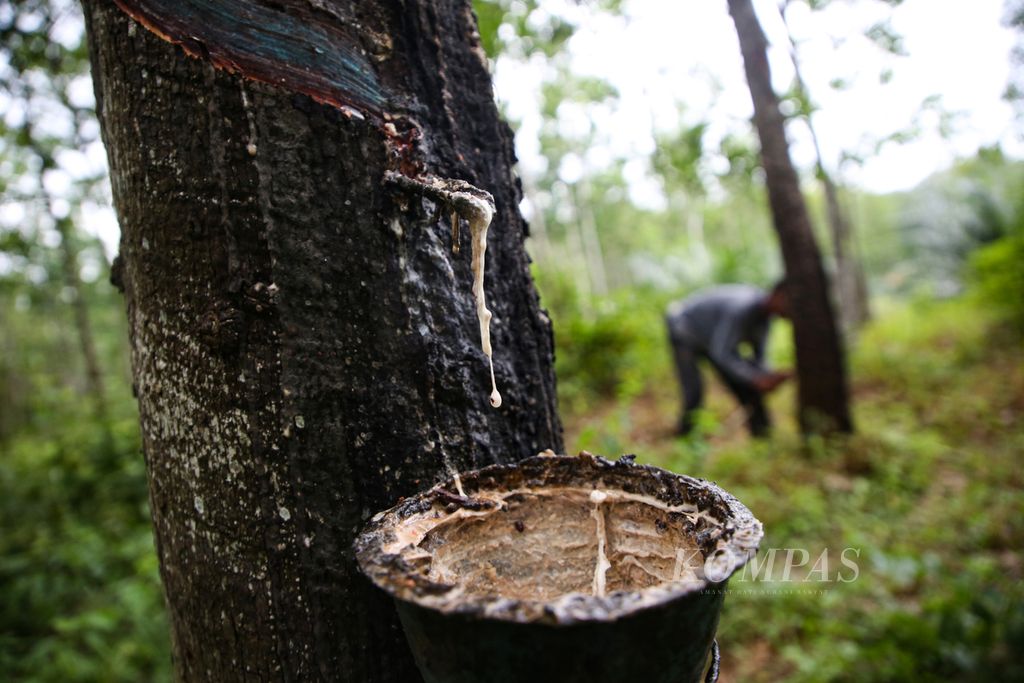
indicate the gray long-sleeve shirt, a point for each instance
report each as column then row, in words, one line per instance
column 717, row 321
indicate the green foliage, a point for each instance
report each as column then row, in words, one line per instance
column 928, row 492
column 78, row 575
column 742, row 155
column 997, row 271
column 570, row 88
column 1014, row 94
column 82, row 599
column 948, row 334
column 609, row 351
column 529, row 30
column 797, row 101
column 954, row 213
column 885, row 37
column 678, row 157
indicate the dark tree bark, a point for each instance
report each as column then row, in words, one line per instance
column 821, row 370
column 305, row 346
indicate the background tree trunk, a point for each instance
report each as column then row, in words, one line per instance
column 853, row 301
column 80, row 310
column 305, row 346
column 821, row 371
column 851, row 288
column 65, row 227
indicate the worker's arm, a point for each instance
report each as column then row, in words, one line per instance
column 724, row 351
column 769, row 379
column 759, row 344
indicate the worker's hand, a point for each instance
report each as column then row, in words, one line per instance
column 769, row 382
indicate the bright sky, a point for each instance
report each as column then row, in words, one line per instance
column 664, row 57
column 670, row 56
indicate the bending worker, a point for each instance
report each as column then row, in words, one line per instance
column 716, row 324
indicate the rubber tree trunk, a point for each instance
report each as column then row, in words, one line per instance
column 821, row 370
column 304, row 343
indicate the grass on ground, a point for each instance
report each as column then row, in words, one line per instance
column 926, row 500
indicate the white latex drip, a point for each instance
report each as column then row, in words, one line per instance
column 479, row 220
column 477, row 207
column 603, row 565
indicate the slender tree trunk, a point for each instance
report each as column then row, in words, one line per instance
column 15, row 412
column 576, row 256
column 95, row 386
column 83, row 326
column 860, row 279
column 821, row 371
column 852, row 294
column 586, row 222
column 853, row 304
column 538, row 224
column 304, row 342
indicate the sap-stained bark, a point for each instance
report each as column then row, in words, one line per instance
column 821, row 369
column 305, row 348
column 314, row 48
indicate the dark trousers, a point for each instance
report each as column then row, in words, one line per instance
column 688, row 371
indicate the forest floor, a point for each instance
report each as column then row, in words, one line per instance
column 925, row 502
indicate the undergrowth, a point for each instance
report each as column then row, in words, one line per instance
column 924, row 500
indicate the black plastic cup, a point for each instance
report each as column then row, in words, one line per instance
column 564, row 569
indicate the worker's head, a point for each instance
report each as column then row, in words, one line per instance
column 777, row 300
